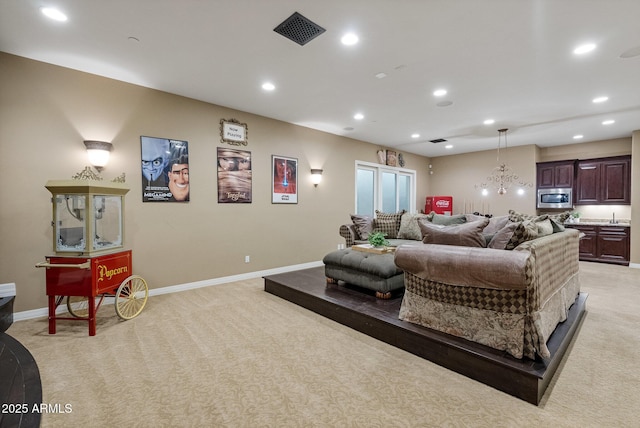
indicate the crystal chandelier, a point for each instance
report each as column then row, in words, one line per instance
column 502, row 177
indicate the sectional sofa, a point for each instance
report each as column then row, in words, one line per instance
column 504, row 282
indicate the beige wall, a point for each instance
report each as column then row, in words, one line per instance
column 47, row 112
column 457, row 176
column 596, row 149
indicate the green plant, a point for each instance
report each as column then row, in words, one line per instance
column 575, row 214
column 377, row 239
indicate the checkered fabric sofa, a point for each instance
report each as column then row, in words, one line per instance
column 508, row 300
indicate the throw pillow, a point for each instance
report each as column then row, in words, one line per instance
column 496, row 223
column 516, row 216
column 466, row 235
column 524, row 231
column 544, row 228
column 473, row 217
column 502, row 237
column 557, row 227
column 409, row 228
column 389, row 224
column 560, row 218
column 448, row 220
column 363, row 224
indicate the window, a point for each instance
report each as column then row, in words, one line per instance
column 384, row 188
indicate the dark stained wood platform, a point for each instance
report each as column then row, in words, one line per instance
column 19, row 385
column 361, row 310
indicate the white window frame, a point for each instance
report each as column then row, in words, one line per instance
column 378, row 171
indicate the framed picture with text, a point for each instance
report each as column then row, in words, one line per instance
column 233, row 132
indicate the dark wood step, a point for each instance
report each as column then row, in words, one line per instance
column 359, row 309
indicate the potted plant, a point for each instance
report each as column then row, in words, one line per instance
column 377, row 239
column 575, row 217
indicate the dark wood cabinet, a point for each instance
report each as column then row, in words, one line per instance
column 589, row 242
column 587, row 183
column 610, row 244
column 553, row 175
column 614, row 244
column 616, row 181
column 603, row 181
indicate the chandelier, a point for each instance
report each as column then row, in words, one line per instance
column 502, row 177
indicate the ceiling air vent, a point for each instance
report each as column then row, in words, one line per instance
column 438, row 140
column 299, row 29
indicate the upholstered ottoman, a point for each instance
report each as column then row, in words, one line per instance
column 375, row 272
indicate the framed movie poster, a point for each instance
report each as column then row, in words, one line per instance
column 165, row 170
column 284, row 180
column 234, row 176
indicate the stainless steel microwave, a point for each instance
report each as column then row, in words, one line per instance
column 555, row 198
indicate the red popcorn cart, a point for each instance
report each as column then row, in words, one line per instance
column 439, row 205
column 90, row 262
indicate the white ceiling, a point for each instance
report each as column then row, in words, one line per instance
column 510, row 60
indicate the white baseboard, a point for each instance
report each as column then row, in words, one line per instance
column 634, row 265
column 44, row 312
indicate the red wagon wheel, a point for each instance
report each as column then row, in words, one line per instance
column 131, row 297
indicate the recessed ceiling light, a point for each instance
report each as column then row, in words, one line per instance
column 448, row 146
column 349, row 39
column 609, row 122
column 439, row 92
column 53, row 13
column 578, row 137
column 268, row 86
column 415, row 135
column 381, row 75
column 358, row 116
column 489, row 122
column 583, row 49
column 600, row 99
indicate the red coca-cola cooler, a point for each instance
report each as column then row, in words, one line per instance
column 439, row 205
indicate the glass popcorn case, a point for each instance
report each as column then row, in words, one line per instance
column 88, row 216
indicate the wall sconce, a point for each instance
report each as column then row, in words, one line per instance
column 98, row 152
column 316, row 177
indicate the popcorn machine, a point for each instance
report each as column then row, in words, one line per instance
column 90, row 262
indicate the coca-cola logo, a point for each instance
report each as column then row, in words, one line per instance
column 442, row 203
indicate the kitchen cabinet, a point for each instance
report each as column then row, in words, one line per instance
column 603, row 181
column 554, row 175
column 609, row 244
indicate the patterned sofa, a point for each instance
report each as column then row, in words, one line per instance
column 508, row 300
column 504, row 282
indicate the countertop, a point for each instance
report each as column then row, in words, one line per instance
column 600, row 222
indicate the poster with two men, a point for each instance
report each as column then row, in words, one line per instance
column 165, row 170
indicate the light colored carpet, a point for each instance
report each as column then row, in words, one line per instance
column 235, row 356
